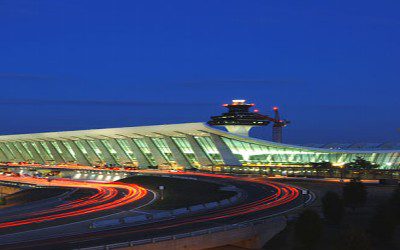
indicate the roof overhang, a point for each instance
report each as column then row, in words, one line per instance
column 177, row 130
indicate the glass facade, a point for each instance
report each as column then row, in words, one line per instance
column 252, row 153
column 70, row 150
column 83, row 150
column 246, row 151
column 58, row 149
column 25, row 146
column 210, row 149
column 112, row 151
column 123, row 143
column 96, row 150
column 12, row 152
column 19, row 150
column 185, row 148
column 144, row 148
column 161, row 144
column 46, row 148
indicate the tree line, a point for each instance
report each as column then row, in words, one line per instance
column 381, row 227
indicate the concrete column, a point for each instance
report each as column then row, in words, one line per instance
column 177, row 154
column 107, row 155
column 3, row 155
column 22, row 150
column 158, row 157
column 225, row 152
column 18, row 155
column 66, row 154
column 8, row 153
column 43, row 152
column 92, row 154
column 57, row 157
column 80, row 156
column 198, row 151
column 36, row 155
column 122, row 155
column 140, row 157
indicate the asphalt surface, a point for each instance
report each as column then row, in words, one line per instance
column 103, row 199
column 263, row 199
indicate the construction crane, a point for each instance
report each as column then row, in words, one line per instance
column 278, row 125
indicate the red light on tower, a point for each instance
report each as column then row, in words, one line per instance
column 275, row 108
column 256, row 111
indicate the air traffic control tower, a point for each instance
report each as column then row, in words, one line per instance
column 239, row 119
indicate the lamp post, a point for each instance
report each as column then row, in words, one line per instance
column 161, row 188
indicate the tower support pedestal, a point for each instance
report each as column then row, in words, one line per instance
column 242, row 130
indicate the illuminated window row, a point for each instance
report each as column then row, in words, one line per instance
column 126, row 151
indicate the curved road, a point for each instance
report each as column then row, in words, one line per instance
column 263, row 199
column 106, row 196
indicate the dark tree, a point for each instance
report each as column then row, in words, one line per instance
column 354, row 239
column 394, row 202
column 308, row 229
column 354, row 194
column 333, row 207
column 383, row 223
column 360, row 164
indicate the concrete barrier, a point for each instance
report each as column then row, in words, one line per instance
column 162, row 215
column 106, row 223
column 224, row 202
column 247, row 235
column 211, row 205
column 133, row 219
column 234, row 199
column 196, row 208
column 180, row 211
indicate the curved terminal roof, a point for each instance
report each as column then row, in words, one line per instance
column 177, row 130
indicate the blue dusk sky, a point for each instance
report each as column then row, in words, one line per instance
column 331, row 66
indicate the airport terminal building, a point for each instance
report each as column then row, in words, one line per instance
column 185, row 145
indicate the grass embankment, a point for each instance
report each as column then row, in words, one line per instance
column 31, row 195
column 180, row 192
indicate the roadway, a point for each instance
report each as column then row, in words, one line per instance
column 103, row 198
column 264, row 198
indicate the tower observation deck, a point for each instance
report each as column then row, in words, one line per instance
column 239, row 119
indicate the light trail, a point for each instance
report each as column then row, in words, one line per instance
column 282, row 196
column 108, row 196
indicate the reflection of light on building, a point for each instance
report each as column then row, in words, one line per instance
column 338, row 164
column 184, row 146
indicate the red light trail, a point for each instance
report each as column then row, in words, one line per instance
column 107, row 196
column 269, row 195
